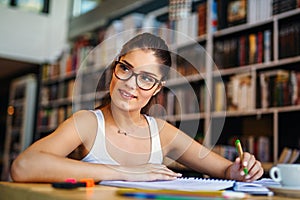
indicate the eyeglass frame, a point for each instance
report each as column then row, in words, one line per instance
column 133, row 74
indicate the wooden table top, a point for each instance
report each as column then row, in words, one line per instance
column 41, row 191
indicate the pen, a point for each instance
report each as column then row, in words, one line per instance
column 239, row 149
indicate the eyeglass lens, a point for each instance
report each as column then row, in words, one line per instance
column 143, row 80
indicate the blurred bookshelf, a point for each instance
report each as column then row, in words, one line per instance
column 250, row 91
column 20, row 123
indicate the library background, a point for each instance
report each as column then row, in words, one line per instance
column 250, row 91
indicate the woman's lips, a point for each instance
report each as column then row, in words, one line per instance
column 126, row 95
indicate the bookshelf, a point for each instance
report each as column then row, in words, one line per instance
column 20, row 119
column 55, row 99
column 241, row 56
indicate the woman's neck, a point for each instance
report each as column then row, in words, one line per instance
column 126, row 121
column 126, row 116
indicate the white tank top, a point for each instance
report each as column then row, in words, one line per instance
column 98, row 154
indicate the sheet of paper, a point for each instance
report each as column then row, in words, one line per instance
column 184, row 184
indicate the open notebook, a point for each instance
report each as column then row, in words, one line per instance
column 183, row 184
column 258, row 187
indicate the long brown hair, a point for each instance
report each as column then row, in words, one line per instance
column 143, row 41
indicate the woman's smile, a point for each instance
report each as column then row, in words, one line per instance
column 126, row 94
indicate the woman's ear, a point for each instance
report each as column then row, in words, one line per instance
column 159, row 88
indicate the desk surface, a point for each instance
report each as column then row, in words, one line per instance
column 34, row 191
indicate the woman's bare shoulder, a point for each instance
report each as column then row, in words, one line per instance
column 83, row 114
column 84, row 122
column 164, row 126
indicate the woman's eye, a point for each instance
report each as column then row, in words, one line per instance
column 147, row 78
column 124, row 67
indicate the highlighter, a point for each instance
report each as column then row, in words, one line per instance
column 239, row 149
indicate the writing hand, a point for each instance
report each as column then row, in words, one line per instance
column 254, row 167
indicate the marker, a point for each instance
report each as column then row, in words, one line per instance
column 239, row 149
column 72, row 183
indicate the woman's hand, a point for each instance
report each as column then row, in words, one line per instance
column 147, row 172
column 236, row 170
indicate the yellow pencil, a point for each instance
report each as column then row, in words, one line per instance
column 239, row 149
column 161, row 194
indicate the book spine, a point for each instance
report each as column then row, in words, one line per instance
column 267, row 45
column 242, row 50
column 214, row 15
column 252, row 48
column 202, row 18
column 259, row 47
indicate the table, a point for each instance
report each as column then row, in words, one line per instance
column 42, row 191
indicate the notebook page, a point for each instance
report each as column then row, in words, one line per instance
column 258, row 187
column 183, row 184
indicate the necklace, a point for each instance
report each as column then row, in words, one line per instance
column 122, row 132
column 134, row 130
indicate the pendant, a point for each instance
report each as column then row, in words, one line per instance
column 122, row 132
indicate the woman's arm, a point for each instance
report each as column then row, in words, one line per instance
column 187, row 151
column 46, row 160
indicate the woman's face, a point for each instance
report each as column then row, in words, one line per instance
column 126, row 94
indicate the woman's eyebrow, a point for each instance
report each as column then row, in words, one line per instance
column 130, row 65
column 127, row 63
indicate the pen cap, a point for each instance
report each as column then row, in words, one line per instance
column 88, row 181
column 237, row 142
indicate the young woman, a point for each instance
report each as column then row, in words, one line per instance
column 118, row 141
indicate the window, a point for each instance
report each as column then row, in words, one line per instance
column 38, row 6
column 83, row 6
column 4, row 2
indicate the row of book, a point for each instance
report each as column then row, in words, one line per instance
column 259, row 146
column 230, row 13
column 258, row 10
column 226, row 151
column 191, row 61
column 236, row 94
column 240, row 92
column 280, row 6
column 49, row 119
column 279, row 88
column 243, row 50
column 86, row 52
column 289, row 155
column 179, row 9
column 276, row 88
column 289, row 38
column 175, row 102
column 202, row 20
column 58, row 68
column 62, row 90
column 98, row 51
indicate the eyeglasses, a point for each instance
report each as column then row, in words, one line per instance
column 143, row 80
